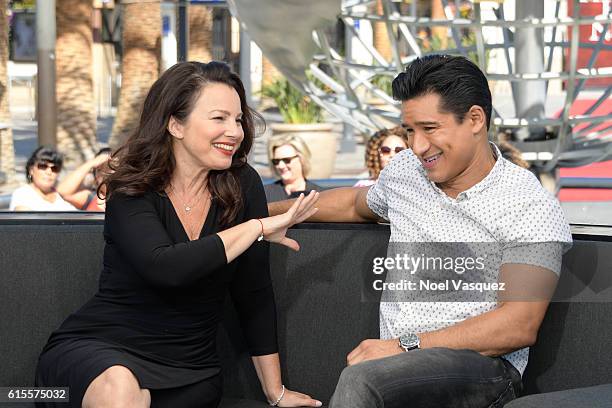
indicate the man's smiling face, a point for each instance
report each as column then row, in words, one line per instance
column 445, row 147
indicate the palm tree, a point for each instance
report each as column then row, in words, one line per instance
column 140, row 64
column 439, row 32
column 200, row 33
column 76, row 120
column 381, row 37
column 269, row 72
column 7, row 151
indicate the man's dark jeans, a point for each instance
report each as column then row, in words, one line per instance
column 436, row 377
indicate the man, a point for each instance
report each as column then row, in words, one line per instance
column 452, row 185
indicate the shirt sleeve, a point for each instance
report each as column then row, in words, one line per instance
column 538, row 235
column 377, row 195
column 251, row 289
column 134, row 226
column 547, row 255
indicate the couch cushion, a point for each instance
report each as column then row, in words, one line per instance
column 241, row 403
column 591, row 397
column 322, row 314
column 572, row 335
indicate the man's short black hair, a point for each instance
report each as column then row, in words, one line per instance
column 458, row 81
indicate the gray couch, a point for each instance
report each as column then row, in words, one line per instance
column 49, row 267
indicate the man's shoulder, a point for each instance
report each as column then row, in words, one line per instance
column 522, row 185
column 531, row 212
column 405, row 158
column 405, row 165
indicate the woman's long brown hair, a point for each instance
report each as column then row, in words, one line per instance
column 146, row 161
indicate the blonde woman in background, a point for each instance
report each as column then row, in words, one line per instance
column 381, row 148
column 290, row 159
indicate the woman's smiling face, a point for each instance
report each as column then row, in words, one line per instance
column 212, row 132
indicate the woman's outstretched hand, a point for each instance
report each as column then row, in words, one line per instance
column 275, row 227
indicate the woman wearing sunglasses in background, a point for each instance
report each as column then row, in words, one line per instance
column 381, row 148
column 290, row 159
column 42, row 170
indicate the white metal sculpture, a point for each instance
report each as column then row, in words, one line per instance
column 535, row 45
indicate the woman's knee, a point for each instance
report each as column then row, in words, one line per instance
column 116, row 387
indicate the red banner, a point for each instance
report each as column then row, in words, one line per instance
column 590, row 34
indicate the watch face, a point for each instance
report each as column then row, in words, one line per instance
column 409, row 341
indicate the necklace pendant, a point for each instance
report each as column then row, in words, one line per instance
column 187, row 208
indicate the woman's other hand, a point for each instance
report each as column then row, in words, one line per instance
column 275, row 227
column 297, row 399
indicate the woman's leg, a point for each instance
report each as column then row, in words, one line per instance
column 203, row 394
column 116, row 387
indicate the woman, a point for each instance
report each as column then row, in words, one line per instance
column 72, row 187
column 381, row 148
column 290, row 159
column 42, row 170
column 184, row 218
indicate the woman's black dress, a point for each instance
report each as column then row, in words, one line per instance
column 160, row 300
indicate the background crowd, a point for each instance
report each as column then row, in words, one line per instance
column 289, row 158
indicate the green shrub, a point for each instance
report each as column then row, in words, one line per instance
column 292, row 103
column 383, row 82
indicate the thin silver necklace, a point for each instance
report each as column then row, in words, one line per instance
column 186, row 206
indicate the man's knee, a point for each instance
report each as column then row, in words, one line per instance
column 357, row 376
column 116, row 387
column 356, row 388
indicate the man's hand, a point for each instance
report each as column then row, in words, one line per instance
column 373, row 349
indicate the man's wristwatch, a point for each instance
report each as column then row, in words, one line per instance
column 409, row 341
